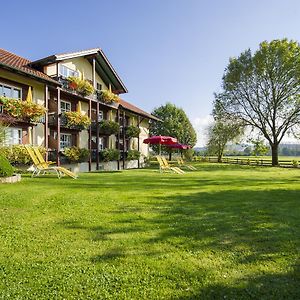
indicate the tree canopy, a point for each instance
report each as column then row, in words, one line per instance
column 262, row 90
column 174, row 123
column 220, row 133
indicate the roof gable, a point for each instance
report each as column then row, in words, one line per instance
column 103, row 66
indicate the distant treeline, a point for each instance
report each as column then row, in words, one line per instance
column 284, row 150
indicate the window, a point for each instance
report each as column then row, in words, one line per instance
column 65, row 141
column 13, row 136
column 10, row 91
column 101, row 143
column 65, row 106
column 99, row 86
column 100, row 116
column 66, row 72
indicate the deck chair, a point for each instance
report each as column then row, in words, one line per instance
column 183, row 164
column 164, row 166
column 41, row 166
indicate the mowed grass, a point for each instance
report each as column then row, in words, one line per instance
column 222, row 232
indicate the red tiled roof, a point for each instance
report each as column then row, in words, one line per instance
column 131, row 107
column 19, row 63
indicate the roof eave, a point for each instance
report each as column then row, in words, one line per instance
column 145, row 115
column 22, row 72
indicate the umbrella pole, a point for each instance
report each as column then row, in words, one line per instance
column 159, row 155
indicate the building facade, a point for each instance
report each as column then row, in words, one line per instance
column 74, row 86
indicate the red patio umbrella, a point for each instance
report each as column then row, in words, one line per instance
column 160, row 140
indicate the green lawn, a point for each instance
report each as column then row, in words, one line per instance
column 223, row 232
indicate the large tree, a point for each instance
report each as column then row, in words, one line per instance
column 262, row 90
column 175, row 123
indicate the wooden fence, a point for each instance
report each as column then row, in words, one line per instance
column 249, row 161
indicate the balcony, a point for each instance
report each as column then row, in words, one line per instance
column 82, row 88
column 13, row 110
column 64, row 122
column 106, row 127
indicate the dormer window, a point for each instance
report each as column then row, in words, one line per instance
column 67, row 72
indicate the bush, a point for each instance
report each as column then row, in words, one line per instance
column 18, row 155
column 109, row 127
column 188, row 154
column 133, row 131
column 109, row 155
column 6, row 169
column 295, row 163
column 76, row 154
column 133, row 155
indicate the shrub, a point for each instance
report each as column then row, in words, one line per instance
column 295, row 163
column 188, row 154
column 82, row 86
column 23, row 109
column 109, row 97
column 109, row 155
column 76, row 154
column 18, row 155
column 75, row 118
column 109, row 127
column 6, row 169
column 133, row 155
column 133, row 131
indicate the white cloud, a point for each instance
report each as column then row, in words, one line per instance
column 200, row 124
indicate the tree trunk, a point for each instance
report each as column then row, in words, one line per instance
column 274, row 149
column 220, row 154
column 170, row 155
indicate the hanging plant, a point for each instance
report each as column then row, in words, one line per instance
column 132, row 131
column 23, row 110
column 109, row 97
column 81, row 86
column 75, row 119
column 109, row 127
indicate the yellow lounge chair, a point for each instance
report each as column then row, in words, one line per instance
column 61, row 169
column 164, row 166
column 41, row 166
column 183, row 164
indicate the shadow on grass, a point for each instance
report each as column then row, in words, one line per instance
column 263, row 287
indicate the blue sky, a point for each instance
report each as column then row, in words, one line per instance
column 164, row 50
